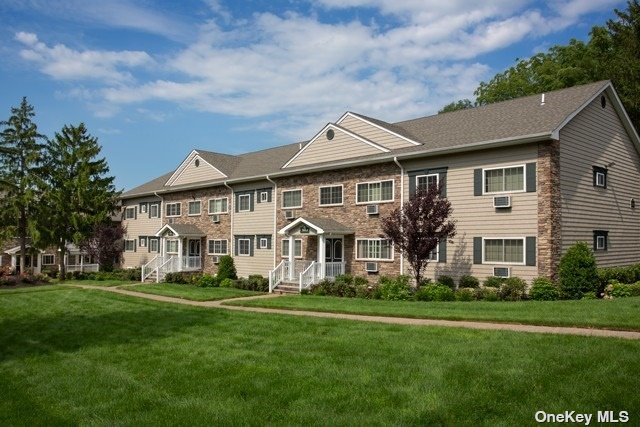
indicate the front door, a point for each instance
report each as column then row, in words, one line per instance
column 193, row 261
column 333, row 250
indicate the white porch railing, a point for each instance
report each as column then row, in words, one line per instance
column 170, row 265
column 150, row 267
column 277, row 275
column 190, row 263
column 310, row 276
column 306, row 273
column 333, row 269
column 84, row 268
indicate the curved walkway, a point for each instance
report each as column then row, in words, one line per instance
column 559, row 330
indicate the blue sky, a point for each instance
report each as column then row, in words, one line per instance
column 154, row 79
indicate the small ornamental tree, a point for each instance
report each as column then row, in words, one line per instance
column 419, row 226
column 577, row 271
column 105, row 244
column 226, row 268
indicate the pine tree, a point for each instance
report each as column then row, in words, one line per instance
column 20, row 161
column 77, row 193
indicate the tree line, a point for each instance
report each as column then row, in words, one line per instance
column 611, row 53
column 54, row 191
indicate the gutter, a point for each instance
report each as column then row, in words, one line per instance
column 395, row 160
column 231, row 211
column 503, row 142
column 275, row 219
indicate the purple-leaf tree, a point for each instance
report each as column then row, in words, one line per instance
column 105, row 244
column 419, row 226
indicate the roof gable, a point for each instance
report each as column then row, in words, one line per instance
column 334, row 142
column 385, row 134
column 194, row 169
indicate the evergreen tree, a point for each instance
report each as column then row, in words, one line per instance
column 77, row 193
column 20, row 161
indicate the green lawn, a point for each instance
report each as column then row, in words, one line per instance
column 191, row 292
column 107, row 283
column 623, row 313
column 85, row 357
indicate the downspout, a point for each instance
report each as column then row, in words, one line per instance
column 395, row 160
column 160, row 213
column 275, row 219
column 231, row 211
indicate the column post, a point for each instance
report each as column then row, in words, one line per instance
column 291, row 258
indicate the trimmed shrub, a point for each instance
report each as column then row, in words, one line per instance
column 616, row 289
column 577, row 272
column 435, row 292
column 258, row 283
column 343, row 286
column 447, row 281
column 543, row 289
column 323, row 288
column 397, row 289
column 468, row 282
column 208, row 281
column 367, row 290
column 493, row 281
column 182, row 278
column 625, row 275
column 487, row 293
column 227, row 283
column 513, row 289
column 464, row 294
column 589, row 295
column 227, row 268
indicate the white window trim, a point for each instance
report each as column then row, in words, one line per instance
column 290, row 191
column 142, row 242
column 264, row 199
column 166, row 206
column 144, row 207
column 214, row 245
column 199, row 202
column 177, row 246
column 330, row 204
column 524, row 251
column 214, row 200
column 248, row 247
column 437, row 249
column 125, row 245
column 157, row 242
column 126, row 215
column 53, row 258
column 604, row 180
column 604, row 243
column 265, row 241
column 375, row 259
column 427, row 176
column 524, row 179
column 240, row 196
column 157, row 215
column 294, row 244
column 393, row 192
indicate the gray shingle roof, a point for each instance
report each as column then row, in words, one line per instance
column 330, row 226
column 186, row 229
column 513, row 119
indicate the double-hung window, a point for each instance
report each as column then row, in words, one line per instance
column 172, row 246
column 130, row 213
column 154, row 210
column 173, row 209
column 194, row 208
column 244, row 203
column 217, row 247
column 375, row 192
column 374, row 249
column 426, row 181
column 331, row 196
column 504, row 251
column 292, row 199
column 502, row 180
column 297, row 248
column 129, row 245
column 218, row 206
column 244, row 247
column 154, row 245
column 48, row 259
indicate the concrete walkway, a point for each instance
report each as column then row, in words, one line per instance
column 559, row 330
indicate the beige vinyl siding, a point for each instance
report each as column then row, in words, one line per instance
column 372, row 133
column 596, row 137
column 141, row 226
column 259, row 221
column 342, row 146
column 192, row 174
column 475, row 215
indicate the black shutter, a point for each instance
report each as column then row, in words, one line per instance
column 252, row 196
column 237, row 202
column 531, row 178
column 442, row 179
column 530, row 251
column 135, row 245
column 251, row 244
column 235, row 245
column 412, row 184
column 270, row 194
column 442, row 249
column 477, row 249
column 259, row 195
column 477, row 182
column 135, row 212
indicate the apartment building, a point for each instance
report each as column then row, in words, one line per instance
column 526, row 178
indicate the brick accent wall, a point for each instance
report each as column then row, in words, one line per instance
column 349, row 214
column 221, row 230
column 549, row 209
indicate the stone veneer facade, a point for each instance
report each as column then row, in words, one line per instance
column 549, row 209
column 221, row 230
column 350, row 214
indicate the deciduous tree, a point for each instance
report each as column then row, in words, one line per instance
column 105, row 244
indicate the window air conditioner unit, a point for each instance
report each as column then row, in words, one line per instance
column 215, row 218
column 501, row 202
column 372, row 209
column 289, row 214
column 502, row 272
column 371, row 267
column 215, row 259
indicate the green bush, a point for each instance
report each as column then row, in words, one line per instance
column 616, row 289
column 468, row 282
column 227, row 283
column 447, row 281
column 589, row 295
column 227, row 268
column 625, row 275
column 543, row 289
column 322, row 288
column 578, row 273
column 208, row 281
column 258, row 283
column 494, row 281
column 464, row 294
column 487, row 293
column 182, row 278
column 367, row 290
column 397, row 289
column 435, row 292
column 513, row 289
column 424, row 282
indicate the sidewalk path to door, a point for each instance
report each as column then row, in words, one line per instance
column 559, row 330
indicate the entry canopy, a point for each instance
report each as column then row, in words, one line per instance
column 327, row 226
column 180, row 230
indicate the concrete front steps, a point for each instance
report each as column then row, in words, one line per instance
column 287, row 288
